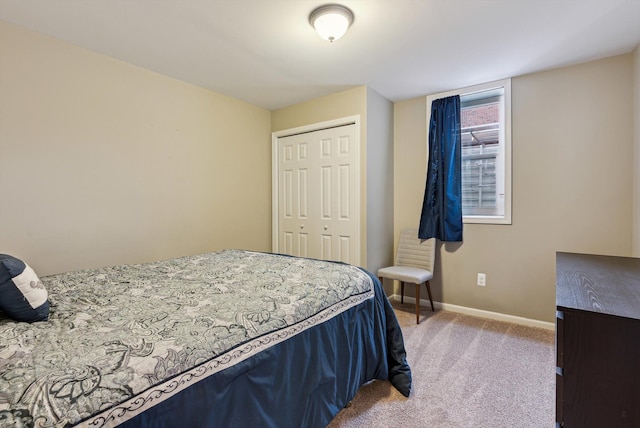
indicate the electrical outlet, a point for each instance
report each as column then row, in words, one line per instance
column 482, row 279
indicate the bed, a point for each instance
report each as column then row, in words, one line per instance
column 227, row 339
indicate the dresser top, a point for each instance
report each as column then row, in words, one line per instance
column 601, row 284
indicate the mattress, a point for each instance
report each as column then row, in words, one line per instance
column 221, row 339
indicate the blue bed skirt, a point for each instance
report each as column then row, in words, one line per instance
column 302, row 382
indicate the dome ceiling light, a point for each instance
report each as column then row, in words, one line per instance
column 331, row 21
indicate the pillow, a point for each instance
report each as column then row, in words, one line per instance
column 22, row 294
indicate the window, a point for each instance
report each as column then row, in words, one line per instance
column 485, row 121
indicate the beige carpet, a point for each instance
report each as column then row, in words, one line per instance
column 467, row 372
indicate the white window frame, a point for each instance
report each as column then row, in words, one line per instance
column 505, row 131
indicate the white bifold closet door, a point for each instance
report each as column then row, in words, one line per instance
column 318, row 194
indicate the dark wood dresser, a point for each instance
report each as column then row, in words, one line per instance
column 597, row 341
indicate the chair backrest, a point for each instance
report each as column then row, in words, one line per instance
column 412, row 252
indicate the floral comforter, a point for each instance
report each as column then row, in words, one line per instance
column 119, row 333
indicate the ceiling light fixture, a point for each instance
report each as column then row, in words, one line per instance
column 331, row 21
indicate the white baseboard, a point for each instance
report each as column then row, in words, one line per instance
column 479, row 313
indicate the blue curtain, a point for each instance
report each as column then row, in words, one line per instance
column 442, row 205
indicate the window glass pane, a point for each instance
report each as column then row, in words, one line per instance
column 480, row 125
column 479, row 183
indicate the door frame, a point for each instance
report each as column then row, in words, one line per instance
column 275, row 164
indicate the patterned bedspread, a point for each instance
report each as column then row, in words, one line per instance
column 121, row 333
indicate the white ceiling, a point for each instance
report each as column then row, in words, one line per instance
column 266, row 53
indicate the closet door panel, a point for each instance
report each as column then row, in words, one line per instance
column 318, row 194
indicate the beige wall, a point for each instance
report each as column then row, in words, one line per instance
column 351, row 102
column 572, row 182
column 379, row 184
column 104, row 163
column 636, row 152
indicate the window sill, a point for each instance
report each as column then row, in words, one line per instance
column 481, row 219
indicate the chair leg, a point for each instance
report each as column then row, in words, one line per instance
column 417, row 303
column 401, row 291
column 430, row 298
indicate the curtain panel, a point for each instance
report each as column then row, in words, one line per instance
column 441, row 215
